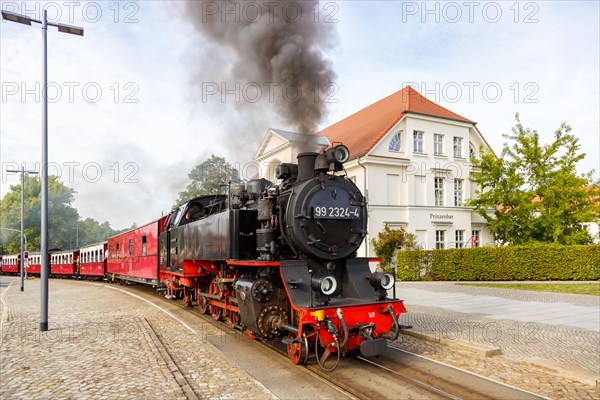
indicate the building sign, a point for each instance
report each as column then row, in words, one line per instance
column 445, row 217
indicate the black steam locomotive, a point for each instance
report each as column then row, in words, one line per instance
column 279, row 260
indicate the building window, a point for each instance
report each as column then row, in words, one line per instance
column 459, row 238
column 472, row 152
column 475, row 239
column 440, row 239
column 438, row 144
column 418, row 141
column 457, row 147
column 439, row 191
column 396, row 142
column 144, row 245
column 458, row 193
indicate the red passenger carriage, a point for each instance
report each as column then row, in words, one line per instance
column 92, row 260
column 64, row 263
column 35, row 263
column 133, row 255
column 11, row 263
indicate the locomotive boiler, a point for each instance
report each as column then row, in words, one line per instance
column 279, row 261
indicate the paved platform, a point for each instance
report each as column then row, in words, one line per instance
column 104, row 343
column 530, row 333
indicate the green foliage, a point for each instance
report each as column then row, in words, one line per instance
column 534, row 190
column 64, row 225
column 389, row 241
column 539, row 262
column 208, row 178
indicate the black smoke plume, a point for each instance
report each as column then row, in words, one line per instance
column 278, row 45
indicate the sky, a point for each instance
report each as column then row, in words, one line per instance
column 143, row 97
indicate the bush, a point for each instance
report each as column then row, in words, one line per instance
column 389, row 241
column 523, row 263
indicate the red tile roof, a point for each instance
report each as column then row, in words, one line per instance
column 362, row 130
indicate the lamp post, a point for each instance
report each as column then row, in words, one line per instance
column 23, row 19
column 23, row 249
column 22, row 171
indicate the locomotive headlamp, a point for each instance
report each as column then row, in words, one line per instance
column 338, row 154
column 325, row 283
column 382, row 280
column 341, row 153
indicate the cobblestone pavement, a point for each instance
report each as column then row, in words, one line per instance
column 108, row 345
column 553, row 360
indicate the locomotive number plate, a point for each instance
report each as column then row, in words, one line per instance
column 325, row 212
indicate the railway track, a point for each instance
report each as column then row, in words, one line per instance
column 395, row 375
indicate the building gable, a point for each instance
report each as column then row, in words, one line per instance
column 362, row 130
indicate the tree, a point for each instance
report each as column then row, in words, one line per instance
column 532, row 193
column 389, row 241
column 208, row 178
column 63, row 220
column 91, row 231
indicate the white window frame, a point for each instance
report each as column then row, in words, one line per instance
column 396, row 142
column 418, row 142
column 457, row 145
column 472, row 151
column 440, row 239
column 459, row 238
column 458, row 192
column 438, row 144
column 438, row 191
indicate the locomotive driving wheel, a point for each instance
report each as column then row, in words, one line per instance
column 297, row 350
column 187, row 297
column 233, row 319
column 202, row 301
column 215, row 311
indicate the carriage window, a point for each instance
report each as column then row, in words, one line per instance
column 117, row 251
column 144, row 245
column 130, row 246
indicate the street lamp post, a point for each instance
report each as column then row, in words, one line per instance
column 22, row 19
column 23, row 248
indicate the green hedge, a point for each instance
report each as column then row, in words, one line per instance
column 522, row 263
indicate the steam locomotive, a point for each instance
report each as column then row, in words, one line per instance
column 276, row 260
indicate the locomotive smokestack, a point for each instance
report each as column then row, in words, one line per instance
column 306, row 165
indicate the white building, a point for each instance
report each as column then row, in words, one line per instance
column 411, row 158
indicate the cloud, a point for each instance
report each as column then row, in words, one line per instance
column 151, row 112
